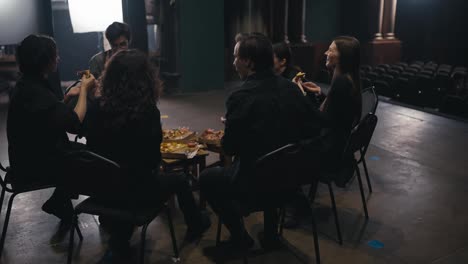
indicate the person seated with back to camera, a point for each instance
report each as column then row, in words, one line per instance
column 267, row 112
column 119, row 36
column 38, row 120
column 124, row 125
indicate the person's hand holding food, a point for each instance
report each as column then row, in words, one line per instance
column 312, row 87
column 298, row 80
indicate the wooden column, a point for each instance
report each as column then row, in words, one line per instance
column 388, row 49
column 390, row 15
column 378, row 34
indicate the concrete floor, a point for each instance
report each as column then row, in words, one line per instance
column 417, row 163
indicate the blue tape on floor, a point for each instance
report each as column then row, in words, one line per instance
column 375, row 244
column 374, row 158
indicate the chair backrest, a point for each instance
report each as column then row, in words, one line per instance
column 369, row 101
column 91, row 174
column 283, row 169
column 361, row 135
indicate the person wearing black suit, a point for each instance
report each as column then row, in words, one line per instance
column 267, row 112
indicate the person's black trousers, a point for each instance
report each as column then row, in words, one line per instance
column 225, row 199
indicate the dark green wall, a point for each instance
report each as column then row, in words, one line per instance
column 201, row 45
column 322, row 20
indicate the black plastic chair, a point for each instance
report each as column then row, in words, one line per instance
column 388, row 78
column 428, row 92
column 358, row 142
column 402, row 64
column 400, row 85
column 99, row 177
column 366, row 82
column 394, row 73
column 397, row 68
column 370, row 101
column 8, row 185
column 418, row 62
column 383, row 88
column 373, row 76
column 380, row 70
column 365, row 68
column 427, row 72
column 412, row 69
column 285, row 169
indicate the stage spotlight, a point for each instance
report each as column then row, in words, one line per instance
column 94, row 16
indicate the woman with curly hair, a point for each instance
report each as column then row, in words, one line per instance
column 125, row 126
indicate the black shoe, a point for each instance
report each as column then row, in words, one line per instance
column 61, row 209
column 196, row 233
column 244, row 242
column 104, row 223
column 61, row 233
column 230, row 249
column 119, row 252
column 117, row 257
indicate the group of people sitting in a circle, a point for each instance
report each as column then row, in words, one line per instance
column 122, row 123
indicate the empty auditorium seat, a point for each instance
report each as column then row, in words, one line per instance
column 383, row 88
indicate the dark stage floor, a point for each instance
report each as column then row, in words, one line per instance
column 417, row 163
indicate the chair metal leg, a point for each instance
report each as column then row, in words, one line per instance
column 5, row 223
column 173, row 237
column 77, row 227
column 335, row 213
column 143, row 243
column 361, row 188
column 218, row 232
column 1, row 200
column 367, row 174
column 246, row 249
column 282, row 216
column 316, row 242
column 72, row 236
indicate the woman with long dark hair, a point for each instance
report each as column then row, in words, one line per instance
column 341, row 109
column 125, row 126
column 338, row 113
column 38, row 121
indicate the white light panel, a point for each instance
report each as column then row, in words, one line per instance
column 94, row 15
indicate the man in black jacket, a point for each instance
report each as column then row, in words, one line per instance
column 266, row 113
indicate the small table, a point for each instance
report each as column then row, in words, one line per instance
column 197, row 164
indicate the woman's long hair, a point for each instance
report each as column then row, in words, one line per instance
column 129, row 86
column 349, row 50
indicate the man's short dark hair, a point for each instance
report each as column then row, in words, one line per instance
column 240, row 36
column 117, row 29
column 35, row 53
column 257, row 47
column 282, row 51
